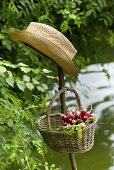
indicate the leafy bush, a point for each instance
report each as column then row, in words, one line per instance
column 20, row 77
column 21, row 146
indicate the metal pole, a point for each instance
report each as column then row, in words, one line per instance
column 63, row 108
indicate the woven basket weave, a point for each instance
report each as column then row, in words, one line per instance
column 61, row 141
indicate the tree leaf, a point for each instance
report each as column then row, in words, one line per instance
column 89, row 12
column 10, row 122
column 21, row 85
column 2, row 69
column 30, row 86
column 35, row 71
column 10, row 81
column 40, row 88
column 80, row 132
column 45, row 86
column 8, row 64
column 25, row 70
column 22, row 65
column 51, row 77
column 35, row 81
column 10, row 73
column 26, row 78
column 46, row 71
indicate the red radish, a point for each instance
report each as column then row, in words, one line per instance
column 78, row 117
column 83, row 113
column 73, row 110
column 68, row 124
column 85, row 118
column 87, row 114
column 62, row 115
column 70, row 113
column 65, row 123
column 72, row 117
column 70, row 120
column 65, row 118
column 78, row 113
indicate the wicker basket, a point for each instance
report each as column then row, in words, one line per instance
column 60, row 140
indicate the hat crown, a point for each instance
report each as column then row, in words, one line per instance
column 53, row 36
column 39, row 28
column 49, row 42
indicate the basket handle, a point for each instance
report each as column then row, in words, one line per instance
column 54, row 99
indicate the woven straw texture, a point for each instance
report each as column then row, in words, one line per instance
column 48, row 41
column 61, row 141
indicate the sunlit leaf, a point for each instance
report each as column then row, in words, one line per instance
column 26, row 78
column 45, row 86
column 25, row 69
column 35, row 71
column 80, row 132
column 40, row 88
column 10, row 73
column 10, row 122
column 2, row 69
column 21, row 85
column 30, row 86
column 8, row 64
column 10, row 81
column 35, row 81
column 22, row 65
column 46, row 71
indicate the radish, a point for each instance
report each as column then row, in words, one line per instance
column 85, row 118
column 65, row 118
column 68, row 124
column 65, row 123
column 62, row 115
column 72, row 117
column 82, row 117
column 70, row 113
column 73, row 111
column 78, row 113
column 70, row 120
column 87, row 114
column 83, row 113
column 78, row 117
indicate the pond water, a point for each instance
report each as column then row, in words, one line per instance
column 94, row 88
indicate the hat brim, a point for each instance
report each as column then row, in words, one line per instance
column 49, row 48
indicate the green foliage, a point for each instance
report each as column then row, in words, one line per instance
column 72, row 129
column 20, row 144
column 22, row 77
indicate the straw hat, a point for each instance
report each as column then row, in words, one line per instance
column 48, row 41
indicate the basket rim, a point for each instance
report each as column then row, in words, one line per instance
column 55, row 131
